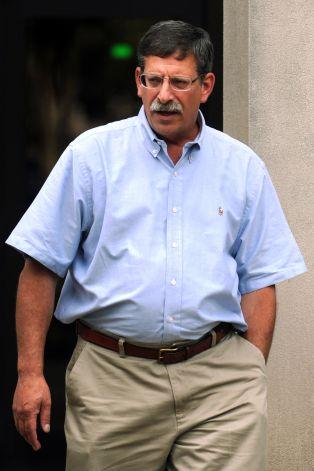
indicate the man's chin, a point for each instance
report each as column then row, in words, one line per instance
column 164, row 126
column 167, row 133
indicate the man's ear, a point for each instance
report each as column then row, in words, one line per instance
column 138, row 72
column 207, row 86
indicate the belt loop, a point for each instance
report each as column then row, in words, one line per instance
column 214, row 337
column 121, row 347
column 187, row 352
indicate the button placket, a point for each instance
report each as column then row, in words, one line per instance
column 174, row 260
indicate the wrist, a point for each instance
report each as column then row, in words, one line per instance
column 30, row 371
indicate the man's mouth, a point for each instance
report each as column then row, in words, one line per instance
column 167, row 113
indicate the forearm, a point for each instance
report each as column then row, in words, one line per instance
column 259, row 309
column 34, row 308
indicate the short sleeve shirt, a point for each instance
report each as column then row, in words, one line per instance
column 153, row 251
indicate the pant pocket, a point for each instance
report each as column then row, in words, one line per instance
column 254, row 349
column 76, row 355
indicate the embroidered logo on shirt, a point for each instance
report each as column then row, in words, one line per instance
column 220, row 211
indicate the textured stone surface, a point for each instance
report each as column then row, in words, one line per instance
column 274, row 113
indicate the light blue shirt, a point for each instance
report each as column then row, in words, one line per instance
column 152, row 251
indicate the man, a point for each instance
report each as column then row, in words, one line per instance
column 172, row 239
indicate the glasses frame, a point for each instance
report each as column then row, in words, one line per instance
column 169, row 80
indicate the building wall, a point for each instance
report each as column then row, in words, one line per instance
column 269, row 104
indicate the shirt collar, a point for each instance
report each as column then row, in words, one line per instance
column 152, row 142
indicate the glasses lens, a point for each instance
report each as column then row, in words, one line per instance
column 151, row 81
column 155, row 81
column 180, row 83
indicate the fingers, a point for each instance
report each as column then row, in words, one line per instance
column 26, row 426
column 31, row 399
column 30, row 432
column 45, row 414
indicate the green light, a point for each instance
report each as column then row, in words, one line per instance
column 121, row 51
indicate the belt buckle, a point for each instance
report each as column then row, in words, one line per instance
column 163, row 351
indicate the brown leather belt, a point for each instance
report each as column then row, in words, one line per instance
column 166, row 355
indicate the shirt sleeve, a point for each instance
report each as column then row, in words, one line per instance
column 51, row 229
column 266, row 251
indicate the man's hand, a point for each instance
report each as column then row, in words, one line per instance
column 31, row 399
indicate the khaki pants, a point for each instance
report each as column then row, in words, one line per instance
column 133, row 414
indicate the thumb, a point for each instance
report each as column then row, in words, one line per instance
column 45, row 415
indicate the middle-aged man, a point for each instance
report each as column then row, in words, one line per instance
column 171, row 239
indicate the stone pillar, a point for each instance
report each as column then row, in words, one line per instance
column 269, row 104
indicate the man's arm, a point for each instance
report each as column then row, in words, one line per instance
column 34, row 308
column 259, row 309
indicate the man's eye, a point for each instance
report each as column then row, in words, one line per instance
column 180, row 82
column 154, row 81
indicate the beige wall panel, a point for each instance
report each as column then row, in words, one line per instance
column 276, row 118
column 235, row 64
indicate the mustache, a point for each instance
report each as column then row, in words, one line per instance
column 169, row 107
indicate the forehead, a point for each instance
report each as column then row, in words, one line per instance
column 171, row 65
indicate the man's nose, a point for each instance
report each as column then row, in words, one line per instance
column 165, row 93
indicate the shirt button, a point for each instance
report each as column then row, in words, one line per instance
column 155, row 152
column 175, row 174
column 174, row 245
column 170, row 319
column 173, row 282
column 174, row 210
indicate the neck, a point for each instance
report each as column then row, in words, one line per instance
column 174, row 152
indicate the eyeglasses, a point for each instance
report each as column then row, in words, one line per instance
column 179, row 84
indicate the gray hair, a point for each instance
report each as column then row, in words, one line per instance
column 169, row 37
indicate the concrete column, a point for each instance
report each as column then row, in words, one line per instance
column 269, row 104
